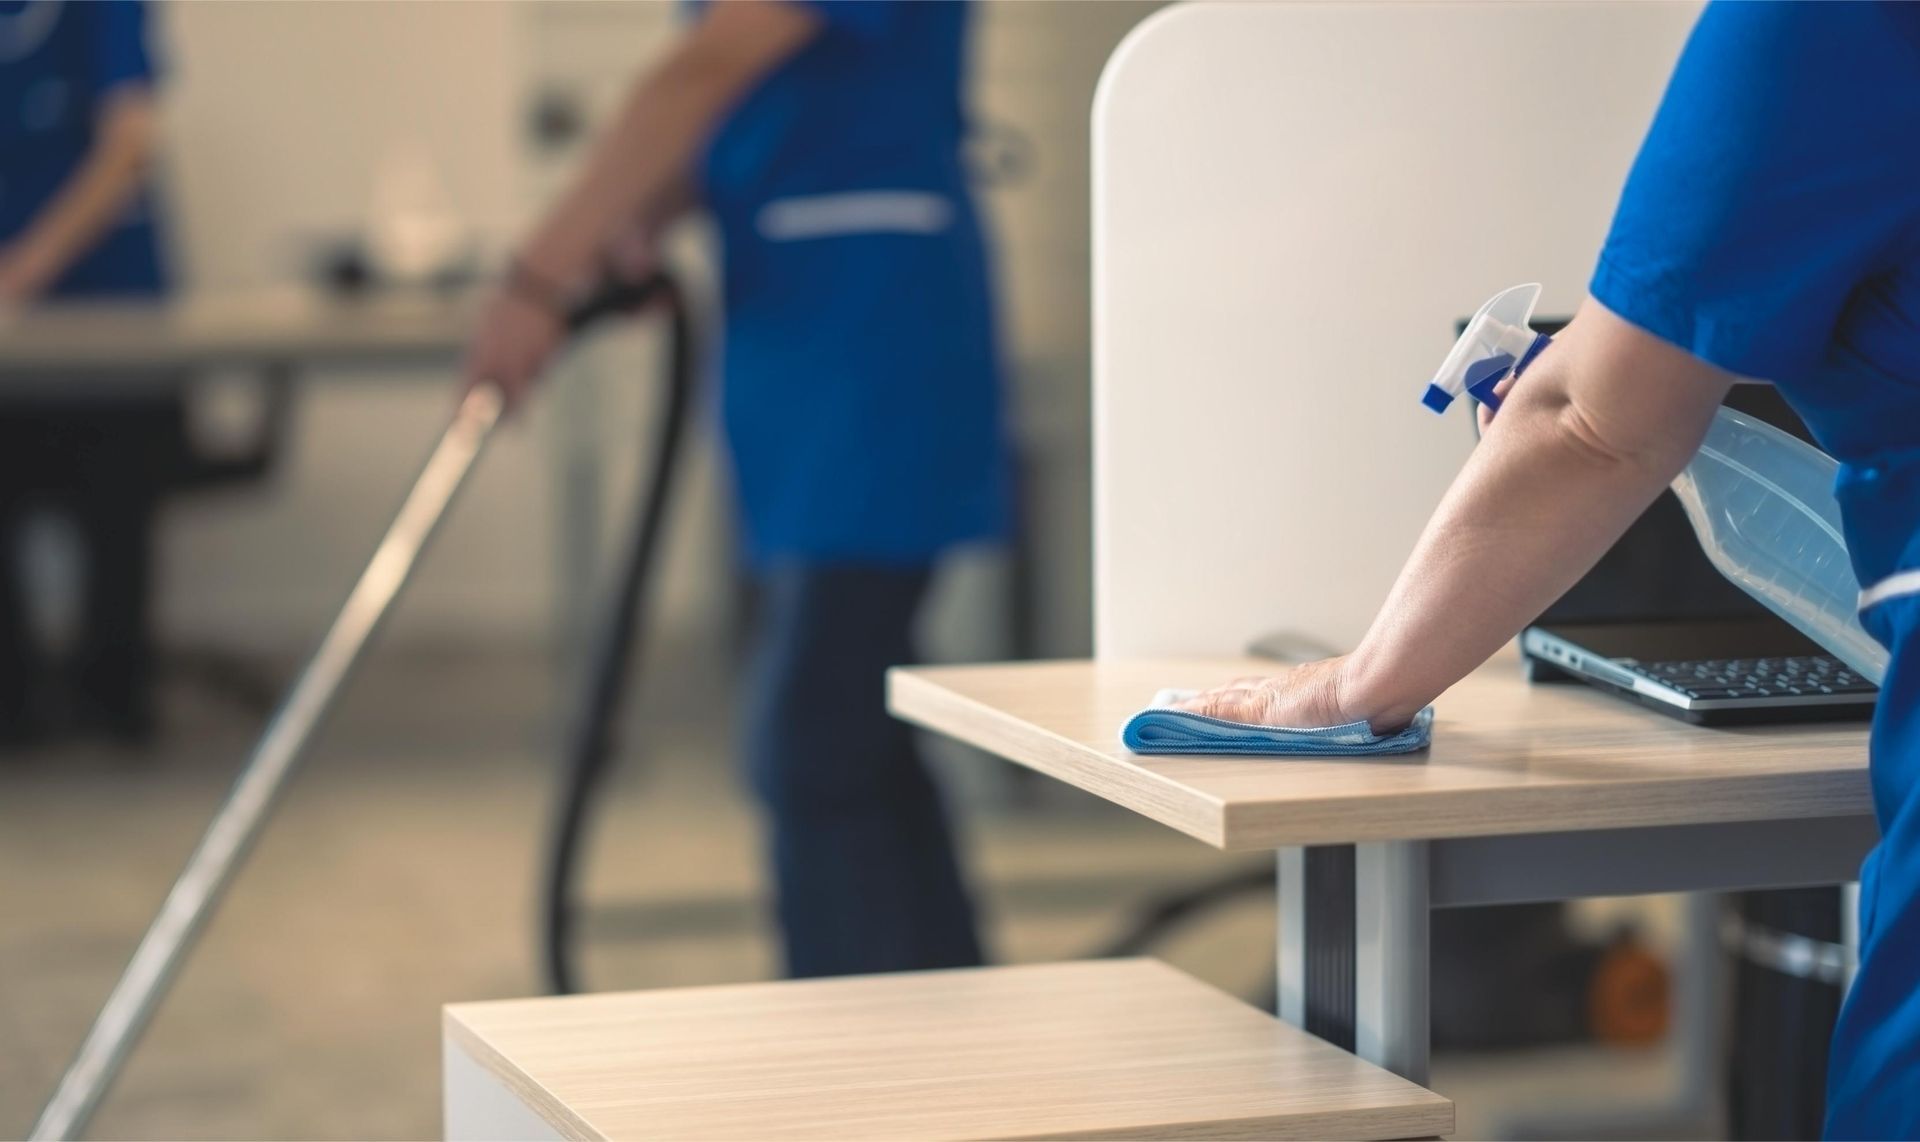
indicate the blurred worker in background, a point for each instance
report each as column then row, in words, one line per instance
column 78, row 134
column 860, row 401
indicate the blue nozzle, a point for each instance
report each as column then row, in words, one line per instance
column 1489, row 346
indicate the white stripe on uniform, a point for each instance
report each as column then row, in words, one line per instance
column 1892, row 587
column 854, row 212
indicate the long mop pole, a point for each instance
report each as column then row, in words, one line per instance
column 204, row 881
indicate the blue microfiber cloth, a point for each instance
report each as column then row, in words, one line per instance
column 1159, row 729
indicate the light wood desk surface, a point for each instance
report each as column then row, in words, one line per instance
column 202, row 330
column 1100, row 1049
column 1507, row 757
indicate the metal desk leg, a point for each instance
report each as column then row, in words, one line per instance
column 1391, row 957
column 1290, row 885
column 1701, row 1014
column 1353, row 949
column 1316, row 941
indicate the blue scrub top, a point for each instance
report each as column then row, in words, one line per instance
column 860, row 367
column 59, row 60
column 1771, row 226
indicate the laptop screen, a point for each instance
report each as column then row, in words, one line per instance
column 1657, row 570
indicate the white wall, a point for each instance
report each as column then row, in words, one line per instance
column 279, row 113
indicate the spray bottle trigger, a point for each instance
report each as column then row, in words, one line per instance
column 1482, row 376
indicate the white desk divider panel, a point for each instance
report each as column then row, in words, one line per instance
column 1292, row 204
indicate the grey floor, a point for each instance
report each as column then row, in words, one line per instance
column 398, row 876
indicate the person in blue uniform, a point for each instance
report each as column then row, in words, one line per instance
column 1770, row 230
column 860, row 397
column 77, row 139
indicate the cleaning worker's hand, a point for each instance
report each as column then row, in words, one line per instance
column 520, row 326
column 523, row 323
column 1306, row 696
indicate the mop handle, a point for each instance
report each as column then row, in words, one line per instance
column 211, row 867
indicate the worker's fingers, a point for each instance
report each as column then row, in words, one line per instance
column 508, row 380
column 513, row 390
column 488, row 365
column 1245, row 683
column 633, row 256
column 1236, row 699
column 1300, row 696
column 512, row 344
column 1228, row 705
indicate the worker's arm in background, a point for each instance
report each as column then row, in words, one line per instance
column 1586, row 439
column 634, row 180
column 92, row 199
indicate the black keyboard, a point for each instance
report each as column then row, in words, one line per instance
column 1716, row 678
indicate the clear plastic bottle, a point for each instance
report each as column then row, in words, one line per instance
column 1762, row 504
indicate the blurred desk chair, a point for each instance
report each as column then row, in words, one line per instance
column 105, row 462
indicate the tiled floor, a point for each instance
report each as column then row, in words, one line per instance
column 398, row 876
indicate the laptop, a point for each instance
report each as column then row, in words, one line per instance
column 1655, row 623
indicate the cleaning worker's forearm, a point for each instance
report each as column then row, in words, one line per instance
column 638, row 172
column 635, row 170
column 94, row 196
column 1586, row 440
column 1532, row 510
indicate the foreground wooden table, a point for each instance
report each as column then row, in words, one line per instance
column 1105, row 1049
column 1529, row 793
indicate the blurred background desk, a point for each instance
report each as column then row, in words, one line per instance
column 277, row 338
column 280, row 332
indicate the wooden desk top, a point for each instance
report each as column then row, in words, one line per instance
column 197, row 331
column 1507, row 757
column 1101, row 1049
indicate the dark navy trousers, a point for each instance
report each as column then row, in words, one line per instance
column 863, row 862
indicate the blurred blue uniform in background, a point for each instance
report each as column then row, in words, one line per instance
column 58, row 61
column 1772, row 227
column 861, row 404
column 105, row 461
